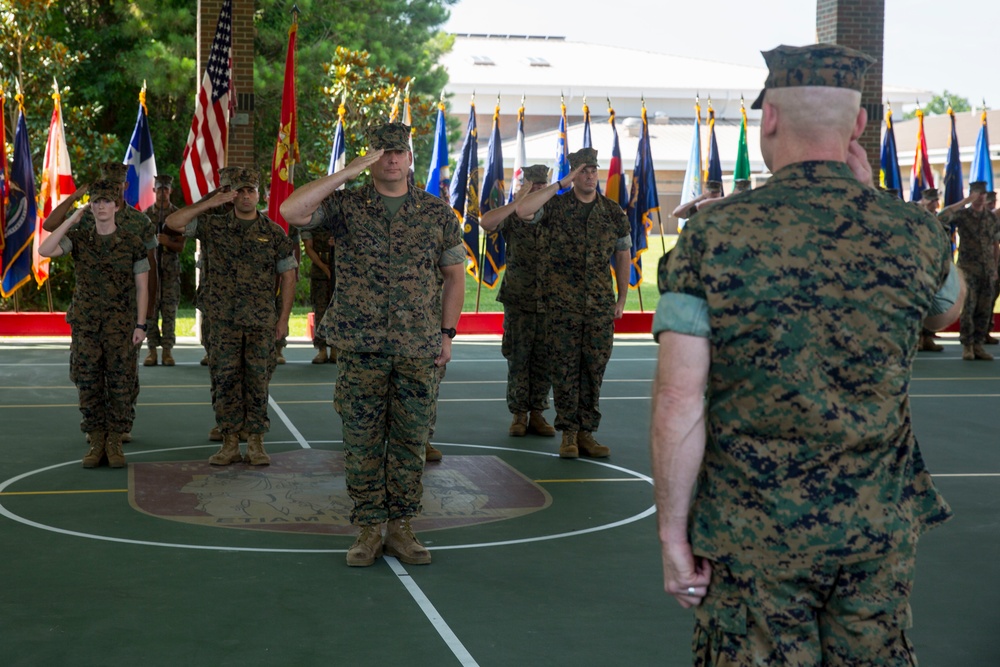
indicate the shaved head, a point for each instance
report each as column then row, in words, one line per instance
column 809, row 123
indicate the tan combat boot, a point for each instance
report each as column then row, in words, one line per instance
column 256, row 456
column 403, row 544
column 568, row 448
column 279, row 355
column 590, row 447
column 980, row 354
column 333, row 356
column 990, row 340
column 92, row 458
column 168, row 358
column 538, row 425
column 927, row 344
column 367, row 547
column 228, row 453
column 320, row 357
column 519, row 426
column 968, row 354
column 432, row 453
column 113, row 448
column 215, row 435
column 150, row 359
column 204, row 360
column 127, row 437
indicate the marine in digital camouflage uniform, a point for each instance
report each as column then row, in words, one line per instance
column 523, row 345
column 400, row 287
column 581, row 230
column 787, row 336
column 977, row 257
column 168, row 263
column 246, row 253
column 322, row 280
column 107, row 316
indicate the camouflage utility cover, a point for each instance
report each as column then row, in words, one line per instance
column 815, row 288
column 389, row 284
column 575, row 276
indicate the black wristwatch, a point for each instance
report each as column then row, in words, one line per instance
column 140, row 326
column 450, row 333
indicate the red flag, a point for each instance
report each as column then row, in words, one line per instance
column 205, row 152
column 286, row 151
column 921, row 177
column 57, row 184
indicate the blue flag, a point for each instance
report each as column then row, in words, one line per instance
column 562, row 152
column 643, row 202
column 954, row 190
column 140, row 190
column 889, row 176
column 982, row 166
column 493, row 197
column 338, row 155
column 21, row 214
column 714, row 170
column 465, row 193
column 438, row 173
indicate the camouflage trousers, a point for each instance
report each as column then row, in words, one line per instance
column 976, row 319
column 525, row 349
column 166, row 305
column 206, row 342
column 439, row 372
column 386, row 404
column 579, row 347
column 241, row 362
column 99, row 365
column 320, row 291
column 834, row 614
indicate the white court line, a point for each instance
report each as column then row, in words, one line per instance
column 450, row 639
column 288, row 423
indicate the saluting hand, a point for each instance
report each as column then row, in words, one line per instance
column 857, row 160
column 362, row 162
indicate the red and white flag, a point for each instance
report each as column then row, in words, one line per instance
column 57, row 185
column 205, row 152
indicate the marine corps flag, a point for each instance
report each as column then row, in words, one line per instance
column 493, row 197
column 286, row 151
column 643, row 202
column 692, row 175
column 57, row 184
column 920, row 174
column 714, row 170
column 21, row 211
column 465, row 193
column 438, row 173
column 982, row 166
column 889, row 177
column 954, row 190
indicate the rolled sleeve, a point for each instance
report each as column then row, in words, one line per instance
column 142, row 266
column 683, row 314
column 455, row 255
column 947, row 295
column 624, row 243
column 286, row 264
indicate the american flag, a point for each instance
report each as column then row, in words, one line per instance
column 205, row 152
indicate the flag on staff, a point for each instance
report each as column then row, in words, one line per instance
column 982, row 166
column 954, row 190
column 286, row 150
column 692, row 175
column 587, row 143
column 465, row 193
column 21, row 211
column 643, row 201
column 140, row 190
column 438, row 172
column 57, row 184
column 493, row 197
column 408, row 121
column 616, row 174
column 562, row 151
column 205, row 152
column 889, row 176
column 920, row 174
column 742, row 170
column 394, row 111
column 3, row 174
column 520, row 156
column 713, row 171
column 338, row 156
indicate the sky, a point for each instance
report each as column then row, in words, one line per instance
column 932, row 45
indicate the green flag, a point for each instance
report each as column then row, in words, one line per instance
column 742, row 170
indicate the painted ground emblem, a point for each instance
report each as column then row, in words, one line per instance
column 304, row 491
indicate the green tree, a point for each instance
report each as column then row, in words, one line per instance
column 399, row 40
column 939, row 105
